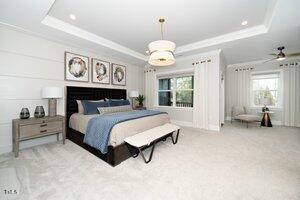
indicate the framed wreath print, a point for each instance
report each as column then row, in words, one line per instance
column 100, row 71
column 76, row 67
column 118, row 74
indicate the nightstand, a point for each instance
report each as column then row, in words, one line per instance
column 26, row 129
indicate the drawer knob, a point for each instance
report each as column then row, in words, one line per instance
column 43, row 125
column 43, row 131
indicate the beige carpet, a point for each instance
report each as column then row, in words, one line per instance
column 238, row 163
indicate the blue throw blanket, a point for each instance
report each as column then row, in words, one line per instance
column 99, row 128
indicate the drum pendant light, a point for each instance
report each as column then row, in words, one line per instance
column 161, row 51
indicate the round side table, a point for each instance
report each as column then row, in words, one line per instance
column 266, row 120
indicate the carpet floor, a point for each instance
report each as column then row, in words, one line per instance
column 238, row 163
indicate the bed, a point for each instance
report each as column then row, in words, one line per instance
column 76, row 124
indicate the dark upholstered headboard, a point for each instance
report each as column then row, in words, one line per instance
column 89, row 93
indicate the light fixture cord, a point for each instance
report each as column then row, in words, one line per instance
column 161, row 30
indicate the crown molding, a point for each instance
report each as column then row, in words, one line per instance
column 256, row 62
column 204, row 55
column 19, row 29
column 78, row 32
column 262, row 62
column 237, row 35
column 270, row 13
column 245, row 33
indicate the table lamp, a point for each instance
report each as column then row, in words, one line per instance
column 266, row 102
column 52, row 94
column 133, row 94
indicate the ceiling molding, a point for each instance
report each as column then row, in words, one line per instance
column 78, row 32
column 51, row 39
column 204, row 55
column 233, row 36
column 256, row 62
column 261, row 62
column 237, row 35
column 270, row 13
column 245, row 33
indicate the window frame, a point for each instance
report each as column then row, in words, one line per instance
column 174, row 91
column 279, row 89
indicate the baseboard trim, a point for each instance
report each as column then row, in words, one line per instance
column 277, row 123
column 213, row 127
column 5, row 149
column 182, row 123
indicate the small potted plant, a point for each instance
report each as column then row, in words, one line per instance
column 140, row 99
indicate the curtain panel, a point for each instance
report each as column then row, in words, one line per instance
column 291, row 96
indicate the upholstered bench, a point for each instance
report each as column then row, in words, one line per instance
column 149, row 138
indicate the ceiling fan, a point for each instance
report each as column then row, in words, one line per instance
column 282, row 56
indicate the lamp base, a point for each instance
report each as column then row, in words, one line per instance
column 52, row 107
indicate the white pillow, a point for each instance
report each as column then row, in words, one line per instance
column 80, row 106
column 114, row 109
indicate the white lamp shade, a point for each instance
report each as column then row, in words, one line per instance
column 133, row 94
column 266, row 101
column 162, row 45
column 52, row 93
column 161, row 58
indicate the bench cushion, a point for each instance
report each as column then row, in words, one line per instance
column 248, row 118
column 146, row 137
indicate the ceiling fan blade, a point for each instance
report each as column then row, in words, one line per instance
column 269, row 60
column 273, row 54
column 293, row 54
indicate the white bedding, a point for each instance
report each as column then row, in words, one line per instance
column 122, row 130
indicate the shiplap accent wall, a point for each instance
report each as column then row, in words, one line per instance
column 28, row 63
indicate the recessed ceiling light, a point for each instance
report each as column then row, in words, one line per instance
column 244, row 23
column 73, row 17
column 147, row 51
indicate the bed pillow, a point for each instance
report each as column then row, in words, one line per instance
column 90, row 107
column 80, row 107
column 106, row 99
column 113, row 103
column 114, row 109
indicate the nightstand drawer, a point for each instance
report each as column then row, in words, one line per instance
column 32, row 130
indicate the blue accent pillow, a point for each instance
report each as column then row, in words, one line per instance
column 113, row 103
column 91, row 107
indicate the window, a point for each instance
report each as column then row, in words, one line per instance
column 176, row 91
column 265, row 89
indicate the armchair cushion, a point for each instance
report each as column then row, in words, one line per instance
column 238, row 110
column 248, row 117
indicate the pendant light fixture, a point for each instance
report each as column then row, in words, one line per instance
column 161, row 51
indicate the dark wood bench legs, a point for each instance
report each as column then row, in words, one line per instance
column 151, row 154
column 175, row 141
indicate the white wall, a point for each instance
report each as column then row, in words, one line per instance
column 28, row 63
column 222, row 88
column 184, row 116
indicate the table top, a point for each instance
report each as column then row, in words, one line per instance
column 270, row 112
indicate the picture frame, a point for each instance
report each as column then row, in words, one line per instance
column 100, row 71
column 76, row 67
column 118, row 74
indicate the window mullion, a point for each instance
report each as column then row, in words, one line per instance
column 174, row 91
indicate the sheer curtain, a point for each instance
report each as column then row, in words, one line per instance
column 242, row 87
column 291, row 96
column 150, row 88
column 200, row 114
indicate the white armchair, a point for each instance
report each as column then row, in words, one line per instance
column 239, row 113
